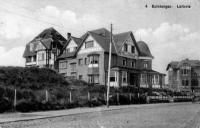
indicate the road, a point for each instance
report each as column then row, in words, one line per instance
column 183, row 115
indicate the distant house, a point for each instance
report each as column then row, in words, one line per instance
column 86, row 58
column 44, row 49
column 184, row 75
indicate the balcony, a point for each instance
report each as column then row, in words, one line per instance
column 93, row 70
column 29, row 63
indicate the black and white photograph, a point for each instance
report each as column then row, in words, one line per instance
column 99, row 63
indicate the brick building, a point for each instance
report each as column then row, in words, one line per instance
column 86, row 58
column 184, row 75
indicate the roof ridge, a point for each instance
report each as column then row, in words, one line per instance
column 122, row 33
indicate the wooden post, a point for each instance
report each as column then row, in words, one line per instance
column 130, row 98
column 15, row 99
column 104, row 97
column 88, row 96
column 46, row 95
column 117, row 98
column 70, row 97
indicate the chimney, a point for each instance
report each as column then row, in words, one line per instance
column 68, row 35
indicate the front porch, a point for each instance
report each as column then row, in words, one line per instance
column 133, row 77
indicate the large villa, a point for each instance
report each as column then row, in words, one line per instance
column 86, row 58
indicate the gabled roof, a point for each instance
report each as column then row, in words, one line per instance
column 70, row 54
column 76, row 40
column 144, row 49
column 178, row 64
column 46, row 37
column 120, row 38
column 103, row 41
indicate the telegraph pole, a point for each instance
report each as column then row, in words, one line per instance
column 109, row 65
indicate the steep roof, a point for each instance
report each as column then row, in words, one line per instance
column 67, row 55
column 144, row 49
column 178, row 64
column 71, row 54
column 120, row 38
column 104, row 41
column 77, row 40
column 46, row 37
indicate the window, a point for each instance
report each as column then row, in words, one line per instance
column 156, row 79
column 184, row 71
column 86, row 61
column 124, row 62
column 40, row 56
column 125, row 47
column 80, row 62
column 93, row 79
column 94, row 59
column 73, row 75
column 132, row 49
column 89, row 44
column 75, row 48
column 143, row 78
column 34, row 58
column 67, row 50
column 31, row 47
column 63, row 64
column 28, row 59
column 133, row 64
column 145, row 65
column 113, row 77
column 185, row 82
column 124, row 77
column 73, row 67
column 80, row 77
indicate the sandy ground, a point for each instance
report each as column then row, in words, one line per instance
column 153, row 116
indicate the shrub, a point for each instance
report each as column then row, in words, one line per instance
column 5, row 105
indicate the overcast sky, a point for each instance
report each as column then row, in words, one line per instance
column 172, row 34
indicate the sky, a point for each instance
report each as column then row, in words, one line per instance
column 171, row 34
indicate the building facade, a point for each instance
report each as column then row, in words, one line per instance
column 86, row 58
column 44, row 49
column 184, row 75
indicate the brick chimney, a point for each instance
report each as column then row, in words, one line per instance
column 68, row 35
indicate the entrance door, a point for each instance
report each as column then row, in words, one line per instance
column 133, row 79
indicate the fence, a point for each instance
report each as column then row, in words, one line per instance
column 48, row 100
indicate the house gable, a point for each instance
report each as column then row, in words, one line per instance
column 72, row 46
column 89, row 45
column 131, row 49
column 39, row 46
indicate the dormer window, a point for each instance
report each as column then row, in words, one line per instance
column 132, row 49
column 125, row 47
column 89, row 44
column 31, row 47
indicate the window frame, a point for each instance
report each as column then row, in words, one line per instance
column 62, row 63
column 125, row 47
column 80, row 61
column 132, row 49
column 124, row 62
column 89, row 44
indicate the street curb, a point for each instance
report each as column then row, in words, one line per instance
column 97, row 109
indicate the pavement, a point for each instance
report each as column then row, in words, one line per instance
column 16, row 117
